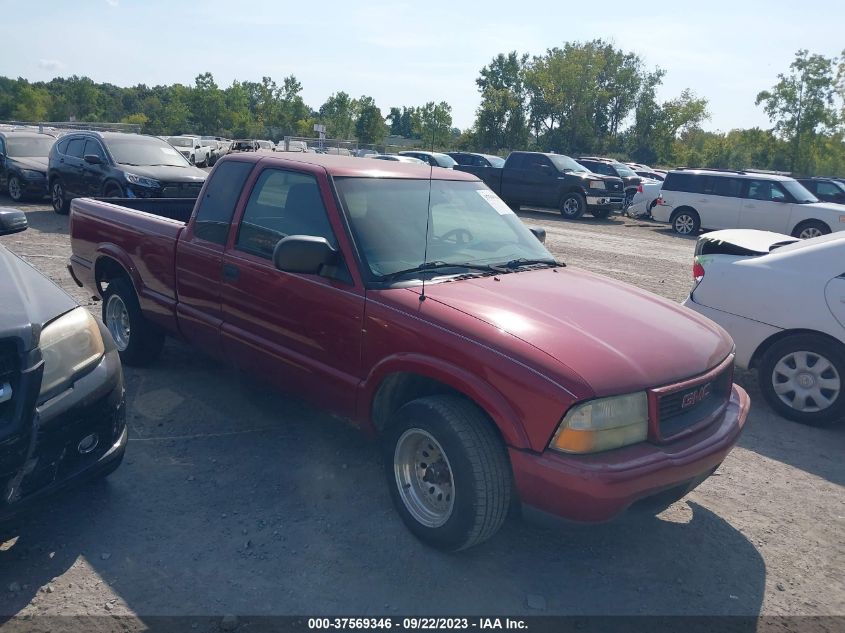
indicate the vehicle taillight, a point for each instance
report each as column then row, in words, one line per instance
column 639, row 188
column 697, row 271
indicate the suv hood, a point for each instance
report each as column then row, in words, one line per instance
column 37, row 163
column 167, row 173
column 29, row 299
column 615, row 337
column 612, row 183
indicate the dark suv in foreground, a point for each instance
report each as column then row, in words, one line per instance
column 62, row 414
column 118, row 165
column 23, row 163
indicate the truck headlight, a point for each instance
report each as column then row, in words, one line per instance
column 69, row 346
column 141, row 180
column 597, row 184
column 603, row 424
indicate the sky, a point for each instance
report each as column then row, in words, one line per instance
column 409, row 53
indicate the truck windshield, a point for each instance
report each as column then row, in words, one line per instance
column 469, row 225
column 799, row 192
column 176, row 141
column 565, row 163
column 145, row 151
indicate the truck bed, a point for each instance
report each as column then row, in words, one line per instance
column 140, row 234
column 491, row 176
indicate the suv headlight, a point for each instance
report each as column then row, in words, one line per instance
column 69, row 346
column 31, row 174
column 603, row 424
column 141, row 180
column 597, row 184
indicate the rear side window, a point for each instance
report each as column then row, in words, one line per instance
column 827, row 189
column 76, row 147
column 61, row 146
column 282, row 203
column 722, row 186
column 217, row 206
column 677, row 181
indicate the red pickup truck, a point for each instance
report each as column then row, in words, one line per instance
column 414, row 303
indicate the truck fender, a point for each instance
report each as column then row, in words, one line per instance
column 481, row 393
column 114, row 252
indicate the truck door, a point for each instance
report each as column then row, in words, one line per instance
column 302, row 332
column 534, row 182
column 199, row 256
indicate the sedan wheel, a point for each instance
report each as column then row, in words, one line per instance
column 685, row 223
column 15, row 191
column 806, row 381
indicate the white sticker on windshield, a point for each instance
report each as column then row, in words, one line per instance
column 494, row 201
column 169, row 150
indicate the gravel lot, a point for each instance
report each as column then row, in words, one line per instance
column 237, row 499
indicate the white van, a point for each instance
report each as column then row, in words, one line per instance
column 691, row 199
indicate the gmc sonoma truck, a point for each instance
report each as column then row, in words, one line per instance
column 422, row 310
column 552, row 181
column 62, row 414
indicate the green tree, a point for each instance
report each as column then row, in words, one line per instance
column 370, row 127
column 207, row 105
column 801, row 104
column 338, row 114
column 501, row 119
column 31, row 103
column 433, row 124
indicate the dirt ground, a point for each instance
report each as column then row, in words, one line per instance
column 235, row 499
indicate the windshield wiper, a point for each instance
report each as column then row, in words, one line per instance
column 426, row 266
column 522, row 261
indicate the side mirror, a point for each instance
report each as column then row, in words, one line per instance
column 12, row 221
column 304, row 254
column 196, row 147
column 93, row 159
column 540, row 234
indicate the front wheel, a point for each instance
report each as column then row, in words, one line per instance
column 686, row 222
column 112, row 190
column 573, row 205
column 810, row 229
column 448, row 472
column 57, row 198
column 802, row 378
column 15, row 189
column 138, row 341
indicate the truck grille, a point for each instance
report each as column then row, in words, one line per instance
column 679, row 407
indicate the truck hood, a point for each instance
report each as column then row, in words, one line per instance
column 29, row 300
column 611, row 183
column 615, row 337
column 168, row 173
column 36, row 163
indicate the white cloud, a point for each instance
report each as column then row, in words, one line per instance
column 112, row 3
column 50, row 64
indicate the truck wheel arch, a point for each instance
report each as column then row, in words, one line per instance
column 111, row 265
column 390, row 388
column 763, row 347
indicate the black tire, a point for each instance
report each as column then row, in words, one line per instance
column 600, row 214
column 143, row 341
column 15, row 190
column 685, row 221
column 778, row 361
column 61, row 205
column 476, row 462
column 573, row 205
column 809, row 229
column 112, row 190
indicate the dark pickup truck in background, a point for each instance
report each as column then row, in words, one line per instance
column 552, row 181
column 506, row 375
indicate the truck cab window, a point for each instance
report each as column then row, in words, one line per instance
column 217, row 206
column 282, row 203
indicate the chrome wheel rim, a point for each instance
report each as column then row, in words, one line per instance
column 684, row 224
column 810, row 232
column 571, row 206
column 424, row 478
column 117, row 322
column 58, row 196
column 14, row 189
column 806, row 381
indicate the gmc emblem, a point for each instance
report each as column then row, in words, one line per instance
column 694, row 397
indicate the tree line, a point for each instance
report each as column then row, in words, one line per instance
column 582, row 98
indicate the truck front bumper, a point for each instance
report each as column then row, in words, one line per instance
column 596, row 488
column 614, row 203
column 75, row 436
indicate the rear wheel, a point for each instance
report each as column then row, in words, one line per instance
column 57, row 198
column 15, row 189
column 448, row 472
column 138, row 341
column 573, row 205
column 810, row 229
column 802, row 378
column 685, row 222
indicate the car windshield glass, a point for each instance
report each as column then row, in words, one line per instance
column 469, row 225
column 181, row 142
column 444, row 160
column 565, row 163
column 209, row 143
column 798, row 191
column 624, row 171
column 29, row 147
column 496, row 161
column 145, row 151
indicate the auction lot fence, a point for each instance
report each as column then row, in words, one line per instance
column 71, row 126
column 344, row 146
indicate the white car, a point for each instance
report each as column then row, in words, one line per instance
column 191, row 147
column 693, row 199
column 782, row 299
column 648, row 192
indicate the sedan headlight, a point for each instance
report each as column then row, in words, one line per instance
column 141, row 180
column 597, row 184
column 31, row 174
column 603, row 424
column 69, row 346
